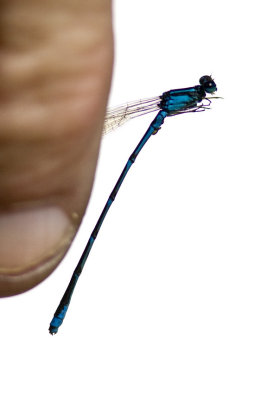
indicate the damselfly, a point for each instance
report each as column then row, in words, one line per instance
column 173, row 102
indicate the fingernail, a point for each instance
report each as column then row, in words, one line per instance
column 29, row 237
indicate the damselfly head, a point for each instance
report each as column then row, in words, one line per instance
column 208, row 84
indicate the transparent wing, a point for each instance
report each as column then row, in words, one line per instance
column 117, row 116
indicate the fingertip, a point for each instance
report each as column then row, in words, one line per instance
column 54, row 98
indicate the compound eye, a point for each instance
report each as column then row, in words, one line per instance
column 205, row 79
column 208, row 84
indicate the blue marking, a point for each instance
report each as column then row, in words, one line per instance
column 173, row 102
column 57, row 320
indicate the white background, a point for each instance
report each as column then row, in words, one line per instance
column 172, row 303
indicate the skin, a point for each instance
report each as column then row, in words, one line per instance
column 56, row 65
